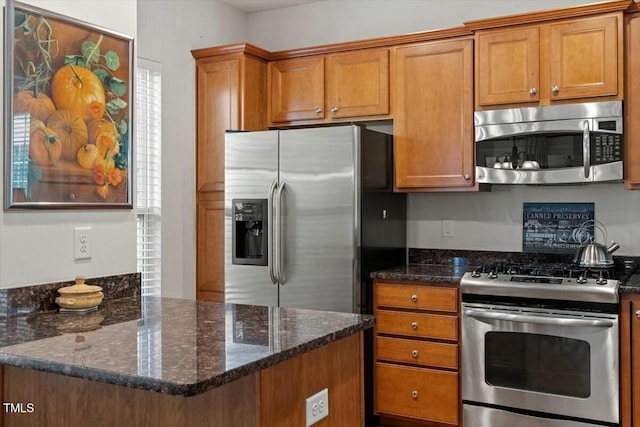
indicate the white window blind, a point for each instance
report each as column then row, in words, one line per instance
column 148, row 168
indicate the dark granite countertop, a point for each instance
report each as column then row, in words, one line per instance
column 424, row 273
column 167, row 345
column 631, row 285
column 452, row 274
column 434, row 265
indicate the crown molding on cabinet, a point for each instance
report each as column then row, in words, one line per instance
column 549, row 15
column 245, row 48
column 372, row 43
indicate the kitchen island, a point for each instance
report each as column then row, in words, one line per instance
column 172, row 362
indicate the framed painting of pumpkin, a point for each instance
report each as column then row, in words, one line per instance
column 68, row 112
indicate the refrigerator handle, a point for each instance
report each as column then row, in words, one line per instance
column 280, row 266
column 270, row 232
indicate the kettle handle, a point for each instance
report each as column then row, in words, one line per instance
column 583, row 230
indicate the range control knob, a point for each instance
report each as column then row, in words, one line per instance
column 601, row 281
column 492, row 275
column 581, row 280
column 475, row 273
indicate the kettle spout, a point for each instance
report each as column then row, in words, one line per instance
column 613, row 247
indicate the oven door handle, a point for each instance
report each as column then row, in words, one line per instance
column 544, row 320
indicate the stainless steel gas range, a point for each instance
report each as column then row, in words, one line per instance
column 540, row 346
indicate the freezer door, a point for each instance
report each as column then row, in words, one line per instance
column 251, row 168
column 319, row 217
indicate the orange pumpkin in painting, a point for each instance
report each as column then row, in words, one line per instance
column 78, row 90
column 98, row 126
column 45, row 147
column 36, row 103
column 71, row 130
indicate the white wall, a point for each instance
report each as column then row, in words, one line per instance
column 37, row 246
column 484, row 221
column 167, row 32
column 493, row 221
column 334, row 21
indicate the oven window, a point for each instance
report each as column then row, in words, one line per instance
column 539, row 363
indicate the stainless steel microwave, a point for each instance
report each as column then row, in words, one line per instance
column 558, row 144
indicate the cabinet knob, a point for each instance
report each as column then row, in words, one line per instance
column 72, row 196
column 533, row 91
column 334, row 110
column 414, row 325
column 467, row 177
column 414, row 394
column 555, row 90
column 638, row 313
column 414, row 298
column 318, row 110
column 414, row 353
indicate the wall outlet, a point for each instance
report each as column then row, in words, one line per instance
column 447, row 228
column 317, row 407
column 82, row 241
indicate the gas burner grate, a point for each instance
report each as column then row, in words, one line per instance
column 548, row 270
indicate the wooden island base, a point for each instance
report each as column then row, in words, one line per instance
column 274, row 396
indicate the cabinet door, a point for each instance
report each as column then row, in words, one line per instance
column 583, row 58
column 217, row 95
column 508, row 66
column 230, row 94
column 358, row 83
column 296, row 89
column 632, row 105
column 434, row 115
column 629, row 360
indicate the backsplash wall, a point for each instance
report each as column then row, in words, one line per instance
column 492, row 221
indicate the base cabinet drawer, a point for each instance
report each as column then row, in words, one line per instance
column 417, row 324
column 416, row 393
column 417, row 297
column 424, row 353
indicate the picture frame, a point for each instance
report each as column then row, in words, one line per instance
column 68, row 112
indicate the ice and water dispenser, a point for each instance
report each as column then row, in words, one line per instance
column 249, row 231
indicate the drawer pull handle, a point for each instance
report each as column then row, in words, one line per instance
column 414, row 325
column 414, row 394
column 638, row 313
column 414, row 298
column 414, row 353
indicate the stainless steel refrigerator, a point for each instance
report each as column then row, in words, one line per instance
column 309, row 213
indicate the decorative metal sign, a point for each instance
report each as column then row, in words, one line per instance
column 553, row 227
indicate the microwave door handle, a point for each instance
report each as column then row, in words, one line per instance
column 586, row 148
column 271, row 232
column 542, row 320
column 280, row 248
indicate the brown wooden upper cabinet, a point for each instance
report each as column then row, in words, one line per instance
column 540, row 64
column 230, row 82
column 433, row 116
column 329, row 88
column 632, row 104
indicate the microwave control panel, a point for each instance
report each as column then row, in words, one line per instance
column 606, row 148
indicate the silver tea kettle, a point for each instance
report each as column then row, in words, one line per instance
column 592, row 254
